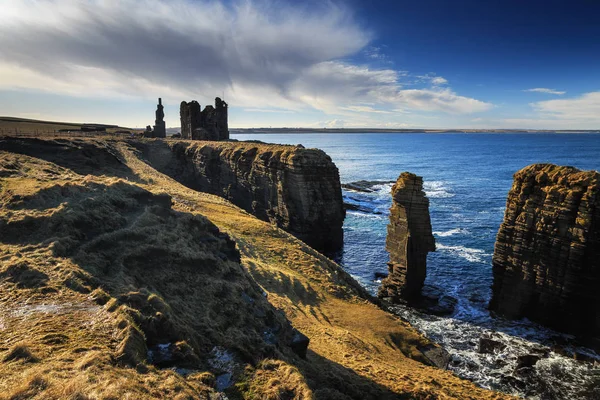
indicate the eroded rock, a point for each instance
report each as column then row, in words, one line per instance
column 546, row 262
column 295, row 189
column 409, row 239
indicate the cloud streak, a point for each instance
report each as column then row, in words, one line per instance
column 545, row 90
column 284, row 57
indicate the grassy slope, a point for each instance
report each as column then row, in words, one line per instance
column 356, row 350
column 12, row 125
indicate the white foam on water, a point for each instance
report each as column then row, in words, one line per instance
column 451, row 232
column 361, row 214
column 383, row 188
column 437, row 189
column 557, row 376
column 467, row 253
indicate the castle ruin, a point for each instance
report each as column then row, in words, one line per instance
column 207, row 124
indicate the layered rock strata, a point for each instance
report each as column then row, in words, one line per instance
column 294, row 188
column 546, row 262
column 409, row 239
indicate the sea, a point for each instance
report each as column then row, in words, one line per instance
column 467, row 177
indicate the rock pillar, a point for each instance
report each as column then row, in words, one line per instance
column 409, row 239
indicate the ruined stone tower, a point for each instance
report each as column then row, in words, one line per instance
column 160, row 129
column 208, row 124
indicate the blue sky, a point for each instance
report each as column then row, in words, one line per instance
column 398, row 64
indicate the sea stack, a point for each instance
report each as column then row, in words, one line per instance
column 409, row 239
column 546, row 261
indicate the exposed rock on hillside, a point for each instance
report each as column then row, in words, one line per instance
column 409, row 239
column 294, row 188
column 546, row 261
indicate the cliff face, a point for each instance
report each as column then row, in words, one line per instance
column 409, row 239
column 546, row 261
column 294, row 188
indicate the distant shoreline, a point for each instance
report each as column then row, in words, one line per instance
column 239, row 131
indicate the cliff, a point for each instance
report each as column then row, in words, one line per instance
column 546, row 262
column 293, row 188
column 117, row 281
column 409, row 239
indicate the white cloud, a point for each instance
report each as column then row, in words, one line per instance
column 330, row 85
column 269, row 110
column 581, row 112
column 365, row 109
column 585, row 107
column 263, row 57
column 545, row 90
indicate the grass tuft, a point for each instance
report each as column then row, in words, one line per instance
column 20, row 352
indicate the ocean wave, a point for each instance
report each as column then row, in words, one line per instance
column 361, row 214
column 451, row 232
column 437, row 189
column 469, row 254
column 382, row 192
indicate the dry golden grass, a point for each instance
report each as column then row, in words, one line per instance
column 357, row 350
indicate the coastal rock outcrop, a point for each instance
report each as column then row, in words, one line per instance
column 409, row 239
column 546, row 262
column 294, row 188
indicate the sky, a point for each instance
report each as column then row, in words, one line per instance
column 522, row 64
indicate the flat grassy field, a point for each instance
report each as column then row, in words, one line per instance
column 33, row 128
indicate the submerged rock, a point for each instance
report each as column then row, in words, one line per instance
column 364, row 186
column 488, row 345
column 546, row 262
column 409, row 239
column 527, row 361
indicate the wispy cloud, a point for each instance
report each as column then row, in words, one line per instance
column 269, row 110
column 263, row 57
column 586, row 106
column 365, row 109
column 545, row 90
column 581, row 112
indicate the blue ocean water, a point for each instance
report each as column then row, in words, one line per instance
column 467, row 178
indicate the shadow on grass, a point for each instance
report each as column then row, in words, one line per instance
column 181, row 280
